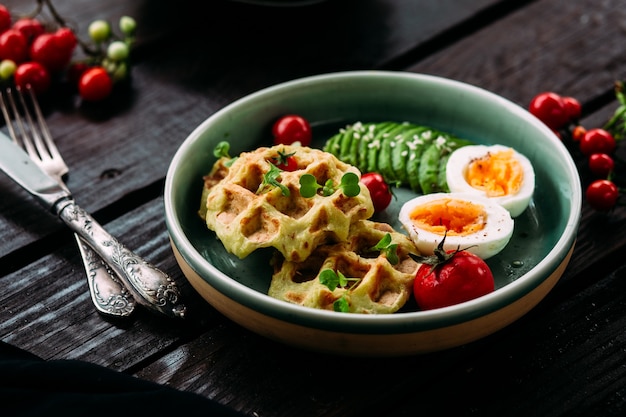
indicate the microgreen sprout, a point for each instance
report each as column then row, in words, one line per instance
column 270, row 179
column 332, row 280
column 388, row 248
column 221, row 150
column 308, row 186
column 349, row 185
column 341, row 304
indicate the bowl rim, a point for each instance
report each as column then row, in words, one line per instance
column 404, row 322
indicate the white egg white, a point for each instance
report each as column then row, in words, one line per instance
column 484, row 243
column 457, row 166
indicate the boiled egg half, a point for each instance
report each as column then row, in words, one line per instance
column 496, row 172
column 468, row 222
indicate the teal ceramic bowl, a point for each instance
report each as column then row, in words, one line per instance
column 525, row 271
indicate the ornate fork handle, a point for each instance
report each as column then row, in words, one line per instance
column 150, row 286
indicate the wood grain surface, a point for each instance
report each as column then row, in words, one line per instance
column 566, row 357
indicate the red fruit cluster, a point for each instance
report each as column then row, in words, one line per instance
column 36, row 53
column 31, row 54
column 554, row 110
column 562, row 114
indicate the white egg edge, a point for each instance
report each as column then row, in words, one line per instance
column 426, row 245
column 515, row 204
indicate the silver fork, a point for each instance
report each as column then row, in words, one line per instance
column 108, row 293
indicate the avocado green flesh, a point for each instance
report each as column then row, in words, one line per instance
column 404, row 154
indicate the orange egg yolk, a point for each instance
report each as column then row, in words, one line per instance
column 458, row 217
column 497, row 173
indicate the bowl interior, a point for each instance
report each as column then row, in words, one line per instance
column 543, row 233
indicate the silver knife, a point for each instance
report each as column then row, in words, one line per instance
column 151, row 287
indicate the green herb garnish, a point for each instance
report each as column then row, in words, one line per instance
column 270, row 179
column 389, row 249
column 341, row 304
column 349, row 185
column 222, row 150
column 332, row 280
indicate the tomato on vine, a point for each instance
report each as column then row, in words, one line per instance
column 33, row 74
column 597, row 140
column 290, row 129
column 13, row 46
column 601, row 164
column 30, row 28
column 551, row 109
column 572, row 107
column 449, row 278
column 5, row 18
column 95, row 84
column 602, row 195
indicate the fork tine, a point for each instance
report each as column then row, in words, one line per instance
column 7, row 118
column 42, row 137
column 25, row 141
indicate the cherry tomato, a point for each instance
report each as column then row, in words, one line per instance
column 597, row 141
column 32, row 73
column 292, row 128
column 290, row 165
column 13, row 46
column 573, row 108
column 5, row 18
column 602, row 195
column 551, row 109
column 462, row 277
column 30, row 28
column 65, row 39
column 53, row 50
column 601, row 164
column 285, row 161
column 95, row 84
column 379, row 190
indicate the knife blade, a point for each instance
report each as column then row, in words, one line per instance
column 150, row 286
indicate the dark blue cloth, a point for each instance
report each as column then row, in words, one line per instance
column 31, row 386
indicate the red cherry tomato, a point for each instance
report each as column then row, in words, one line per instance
column 5, row 18
column 285, row 161
column 379, row 190
column 602, row 195
column 551, row 109
column 53, row 50
column 461, row 278
column 95, row 84
column 30, row 28
column 65, row 39
column 13, row 46
column 32, row 73
column 573, row 108
column 290, row 165
column 292, row 128
column 601, row 164
column 597, row 141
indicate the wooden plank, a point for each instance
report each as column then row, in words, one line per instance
column 573, row 48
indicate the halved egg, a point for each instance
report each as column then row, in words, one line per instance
column 473, row 223
column 497, row 172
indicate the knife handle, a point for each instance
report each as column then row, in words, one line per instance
column 150, row 286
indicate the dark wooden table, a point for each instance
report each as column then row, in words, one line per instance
column 566, row 357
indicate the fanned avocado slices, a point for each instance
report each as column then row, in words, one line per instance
column 405, row 154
